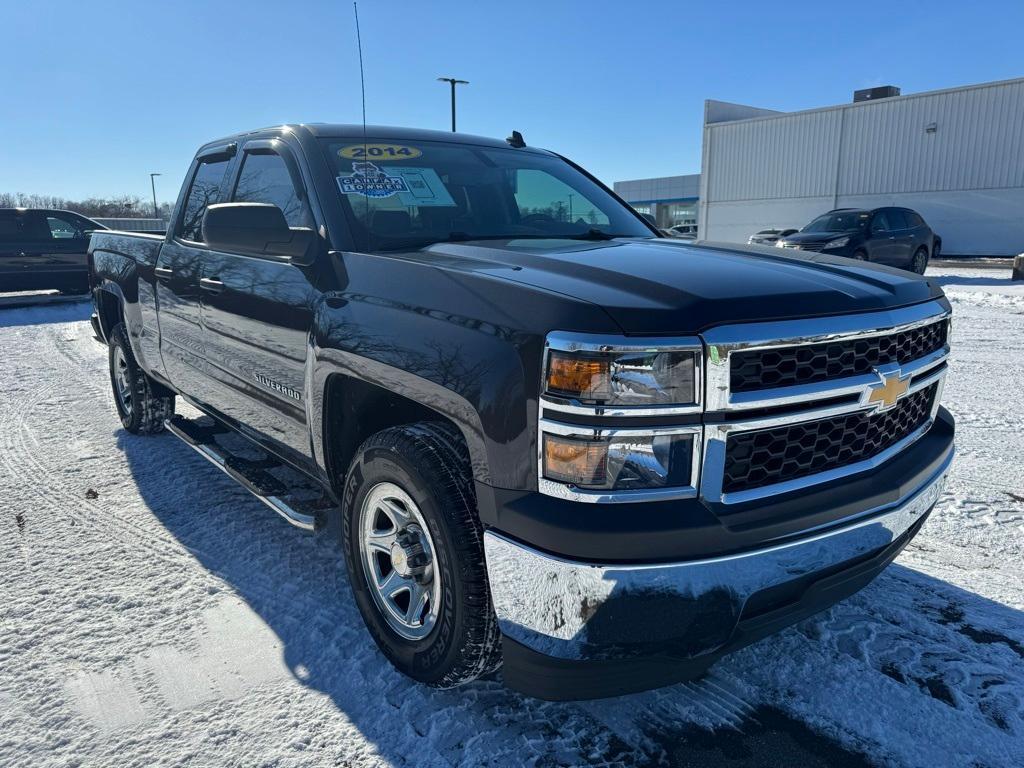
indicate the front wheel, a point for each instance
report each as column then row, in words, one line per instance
column 414, row 553
column 860, row 255
column 141, row 403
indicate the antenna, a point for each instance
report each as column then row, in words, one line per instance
column 362, row 88
column 362, row 78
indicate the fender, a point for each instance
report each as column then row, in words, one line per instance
column 473, row 373
column 451, row 405
column 116, row 270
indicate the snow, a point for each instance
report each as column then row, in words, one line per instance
column 152, row 613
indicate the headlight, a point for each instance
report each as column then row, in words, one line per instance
column 647, row 377
column 839, row 243
column 778, row 244
column 611, row 424
column 620, row 461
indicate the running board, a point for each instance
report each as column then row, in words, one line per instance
column 251, row 475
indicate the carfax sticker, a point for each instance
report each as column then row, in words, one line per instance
column 378, row 152
column 370, row 181
column 413, row 185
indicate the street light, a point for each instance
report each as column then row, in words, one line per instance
column 453, row 82
column 152, row 184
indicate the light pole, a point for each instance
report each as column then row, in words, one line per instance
column 453, row 83
column 152, row 184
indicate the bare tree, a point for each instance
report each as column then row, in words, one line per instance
column 119, row 207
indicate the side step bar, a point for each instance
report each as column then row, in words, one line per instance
column 252, row 475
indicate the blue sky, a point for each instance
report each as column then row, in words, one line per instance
column 97, row 94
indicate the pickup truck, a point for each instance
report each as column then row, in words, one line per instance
column 545, row 436
column 44, row 249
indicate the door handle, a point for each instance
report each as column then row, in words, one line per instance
column 163, row 273
column 211, row 285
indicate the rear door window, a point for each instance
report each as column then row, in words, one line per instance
column 880, row 223
column 18, row 227
column 265, row 179
column 205, row 191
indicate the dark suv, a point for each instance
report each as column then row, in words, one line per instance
column 44, row 249
column 898, row 237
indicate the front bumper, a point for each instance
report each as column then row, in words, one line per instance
column 569, row 626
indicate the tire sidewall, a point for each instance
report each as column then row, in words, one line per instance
column 425, row 660
column 119, row 340
column 924, row 261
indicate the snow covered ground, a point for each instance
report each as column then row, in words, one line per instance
column 152, row 613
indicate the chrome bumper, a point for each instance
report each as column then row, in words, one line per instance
column 579, row 611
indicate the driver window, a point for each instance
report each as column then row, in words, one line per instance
column 544, row 198
column 879, row 224
column 265, row 179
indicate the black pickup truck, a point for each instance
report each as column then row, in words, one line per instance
column 545, row 435
column 44, row 249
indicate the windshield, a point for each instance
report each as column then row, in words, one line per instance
column 846, row 221
column 408, row 195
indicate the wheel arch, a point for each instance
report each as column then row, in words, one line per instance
column 352, row 407
column 109, row 303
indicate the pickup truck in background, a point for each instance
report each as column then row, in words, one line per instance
column 545, row 436
column 43, row 249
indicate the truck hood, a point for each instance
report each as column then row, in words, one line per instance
column 665, row 286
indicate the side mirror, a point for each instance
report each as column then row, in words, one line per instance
column 258, row 229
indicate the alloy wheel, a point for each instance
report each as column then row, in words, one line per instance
column 397, row 554
column 122, row 381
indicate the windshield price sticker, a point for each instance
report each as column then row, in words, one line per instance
column 378, row 152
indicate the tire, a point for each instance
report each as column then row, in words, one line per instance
column 861, row 256
column 424, row 465
column 919, row 263
column 141, row 403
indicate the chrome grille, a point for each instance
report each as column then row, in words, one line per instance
column 764, row 457
column 816, row 247
column 796, row 403
column 766, row 368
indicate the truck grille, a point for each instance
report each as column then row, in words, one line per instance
column 768, row 368
column 765, row 457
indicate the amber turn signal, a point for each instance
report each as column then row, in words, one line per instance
column 578, row 376
column 579, row 462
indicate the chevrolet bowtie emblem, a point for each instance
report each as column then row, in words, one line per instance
column 890, row 390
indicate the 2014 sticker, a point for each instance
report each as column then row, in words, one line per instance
column 370, row 181
column 378, row 152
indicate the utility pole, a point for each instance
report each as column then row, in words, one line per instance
column 152, row 184
column 453, row 83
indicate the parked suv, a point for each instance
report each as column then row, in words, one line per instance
column 898, row 237
column 44, row 249
column 600, row 457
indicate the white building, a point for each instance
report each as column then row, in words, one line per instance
column 671, row 200
column 956, row 156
